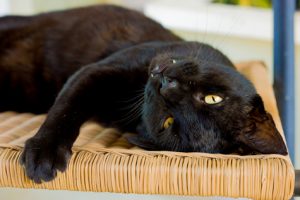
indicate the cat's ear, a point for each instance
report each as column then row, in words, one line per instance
column 141, row 142
column 260, row 133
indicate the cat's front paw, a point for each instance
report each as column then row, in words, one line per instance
column 42, row 158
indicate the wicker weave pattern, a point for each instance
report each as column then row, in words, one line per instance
column 103, row 161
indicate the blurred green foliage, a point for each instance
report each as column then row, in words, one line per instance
column 255, row 3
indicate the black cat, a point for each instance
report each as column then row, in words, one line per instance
column 178, row 96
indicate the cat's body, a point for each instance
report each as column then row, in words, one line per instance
column 179, row 96
column 38, row 54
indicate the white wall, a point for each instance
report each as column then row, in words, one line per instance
column 4, row 7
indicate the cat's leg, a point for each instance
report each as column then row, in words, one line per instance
column 3, row 90
column 94, row 90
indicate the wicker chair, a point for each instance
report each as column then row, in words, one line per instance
column 104, row 162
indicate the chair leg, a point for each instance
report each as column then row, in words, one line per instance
column 297, row 183
column 284, row 81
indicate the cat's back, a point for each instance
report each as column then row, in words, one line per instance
column 38, row 53
column 91, row 32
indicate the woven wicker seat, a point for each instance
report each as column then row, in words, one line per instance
column 104, row 162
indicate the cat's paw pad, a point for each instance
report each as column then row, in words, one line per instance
column 42, row 159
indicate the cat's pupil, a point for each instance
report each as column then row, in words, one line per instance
column 212, row 99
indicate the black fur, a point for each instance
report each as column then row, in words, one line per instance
column 125, row 71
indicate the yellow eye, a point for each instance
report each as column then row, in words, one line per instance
column 169, row 121
column 212, row 99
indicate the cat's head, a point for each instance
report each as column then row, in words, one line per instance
column 198, row 103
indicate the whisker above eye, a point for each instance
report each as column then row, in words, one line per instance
column 130, row 117
column 134, row 112
column 140, row 94
column 132, row 105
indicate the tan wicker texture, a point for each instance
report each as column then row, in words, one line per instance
column 104, row 162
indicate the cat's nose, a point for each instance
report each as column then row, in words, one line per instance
column 167, row 83
column 158, row 69
column 168, row 86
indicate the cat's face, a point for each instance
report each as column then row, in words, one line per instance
column 194, row 105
